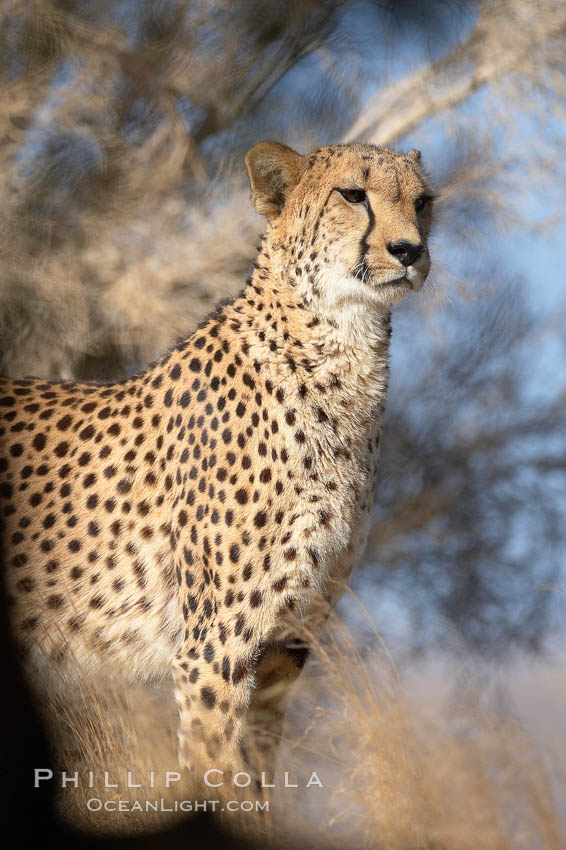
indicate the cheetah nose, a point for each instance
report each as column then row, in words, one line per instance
column 405, row 252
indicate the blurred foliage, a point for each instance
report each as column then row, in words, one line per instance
column 124, row 216
column 470, row 506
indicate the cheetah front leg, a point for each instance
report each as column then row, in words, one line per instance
column 230, row 718
column 232, row 644
column 213, row 674
column 231, row 704
column 213, row 700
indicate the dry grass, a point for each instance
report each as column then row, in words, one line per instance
column 396, row 777
column 104, row 726
column 468, row 776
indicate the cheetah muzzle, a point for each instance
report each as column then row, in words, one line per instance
column 202, row 517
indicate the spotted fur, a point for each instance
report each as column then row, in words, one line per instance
column 185, row 520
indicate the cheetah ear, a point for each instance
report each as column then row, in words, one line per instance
column 414, row 154
column 273, row 170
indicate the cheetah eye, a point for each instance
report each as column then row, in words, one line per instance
column 353, row 196
column 421, row 203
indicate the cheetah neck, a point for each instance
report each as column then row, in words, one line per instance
column 284, row 336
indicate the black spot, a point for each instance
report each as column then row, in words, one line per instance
column 87, row 432
column 208, row 697
column 54, row 602
column 260, row 519
column 242, row 668
column 39, row 442
column 241, row 496
column 64, row 423
column 226, row 668
column 255, row 599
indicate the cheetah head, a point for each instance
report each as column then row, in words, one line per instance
column 349, row 223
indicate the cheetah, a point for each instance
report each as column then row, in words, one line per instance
column 201, row 518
